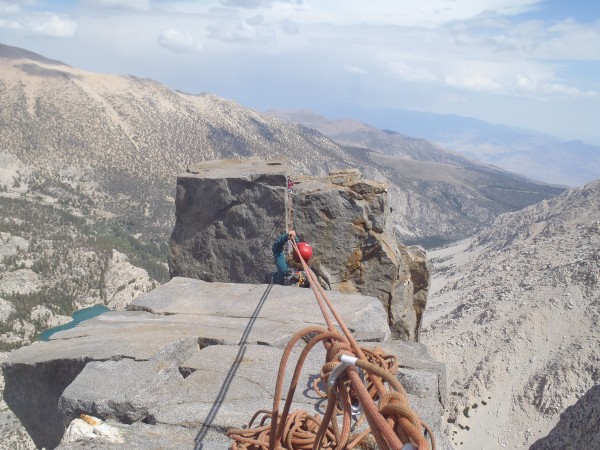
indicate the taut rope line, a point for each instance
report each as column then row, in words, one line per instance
column 393, row 424
column 379, row 426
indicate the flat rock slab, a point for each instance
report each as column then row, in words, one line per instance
column 159, row 342
column 223, row 387
column 194, row 356
column 276, row 309
column 213, row 312
column 238, row 168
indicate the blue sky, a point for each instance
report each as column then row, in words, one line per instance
column 527, row 63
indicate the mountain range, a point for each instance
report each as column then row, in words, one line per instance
column 116, row 144
column 529, row 153
column 90, row 161
column 88, row 167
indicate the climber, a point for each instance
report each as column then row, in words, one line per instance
column 286, row 275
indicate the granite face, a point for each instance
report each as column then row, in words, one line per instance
column 190, row 360
column 229, row 213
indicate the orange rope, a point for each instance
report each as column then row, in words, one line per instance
column 300, row 430
column 371, row 412
column 392, row 423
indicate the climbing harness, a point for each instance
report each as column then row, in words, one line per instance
column 296, row 278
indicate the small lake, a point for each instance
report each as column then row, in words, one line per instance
column 78, row 316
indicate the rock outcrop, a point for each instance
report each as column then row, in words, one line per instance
column 189, row 360
column 229, row 213
column 12, row 433
column 578, row 427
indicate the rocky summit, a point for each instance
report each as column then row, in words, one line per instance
column 230, row 212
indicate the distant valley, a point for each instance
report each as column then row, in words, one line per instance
column 513, row 311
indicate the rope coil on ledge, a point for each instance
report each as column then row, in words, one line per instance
column 301, row 430
column 392, row 424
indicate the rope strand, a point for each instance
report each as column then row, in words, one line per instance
column 392, row 422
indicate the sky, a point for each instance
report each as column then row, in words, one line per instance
column 533, row 64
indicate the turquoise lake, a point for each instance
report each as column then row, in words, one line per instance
column 78, row 316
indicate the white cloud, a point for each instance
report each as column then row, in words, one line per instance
column 16, row 3
column 255, row 20
column 421, row 13
column 7, row 8
column 290, row 27
column 246, row 3
column 46, row 24
column 566, row 40
column 179, row 41
column 256, row 3
column 43, row 24
column 11, row 7
column 530, row 85
column 52, row 25
column 412, row 71
column 246, row 31
column 12, row 25
column 134, row 5
column 407, row 13
column 498, row 56
column 473, row 81
column 571, row 40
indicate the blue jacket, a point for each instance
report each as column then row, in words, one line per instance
column 283, row 269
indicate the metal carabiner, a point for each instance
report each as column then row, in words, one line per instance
column 355, row 409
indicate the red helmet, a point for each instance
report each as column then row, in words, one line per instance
column 305, row 251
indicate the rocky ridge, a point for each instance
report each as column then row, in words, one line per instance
column 514, row 313
column 351, row 132
column 578, row 425
column 115, row 131
column 438, row 196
